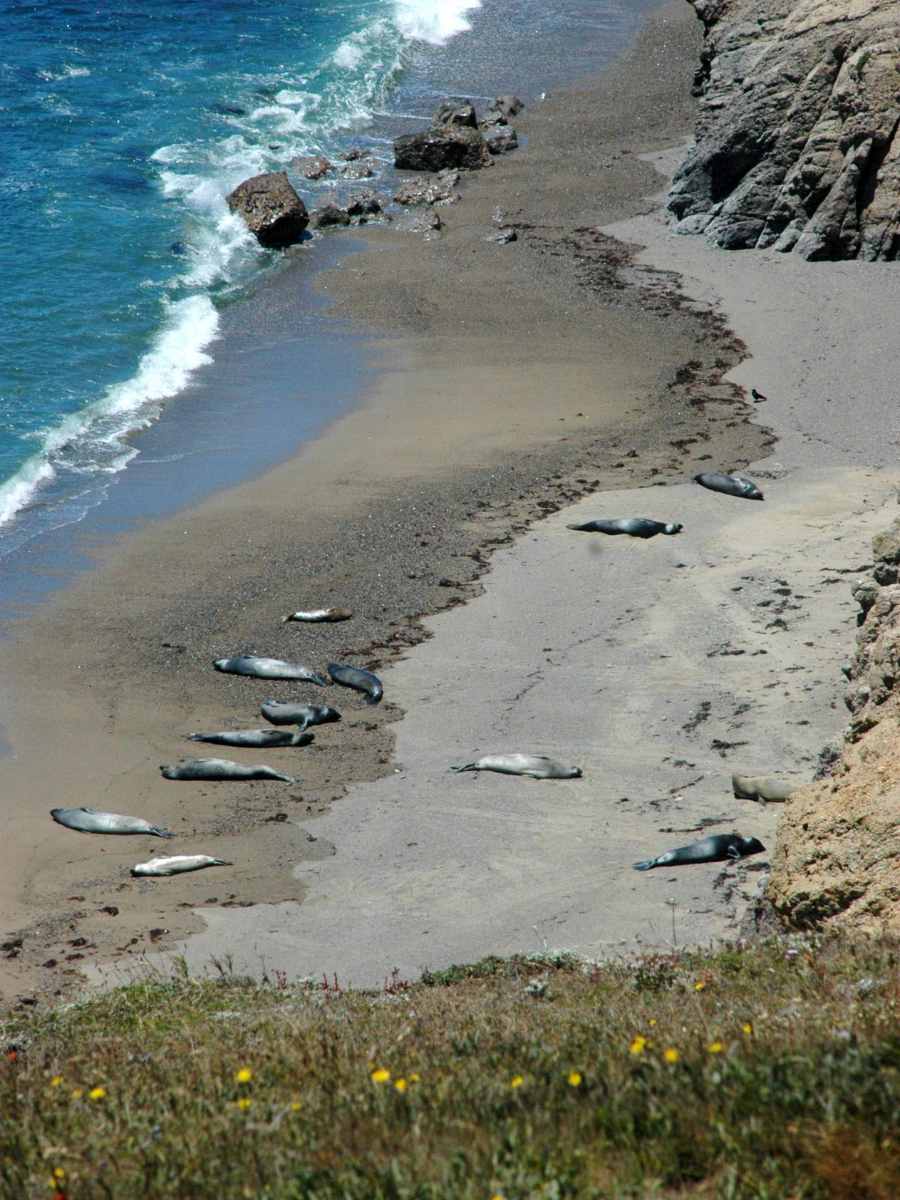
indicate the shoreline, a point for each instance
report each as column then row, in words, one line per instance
column 471, row 457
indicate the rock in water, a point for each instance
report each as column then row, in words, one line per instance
column 507, row 105
column 797, row 142
column 311, row 167
column 455, row 113
column 329, row 214
column 435, row 149
column 273, row 211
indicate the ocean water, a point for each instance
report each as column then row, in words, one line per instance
column 124, row 126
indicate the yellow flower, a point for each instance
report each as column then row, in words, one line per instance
column 496, row 1196
column 400, row 1085
column 244, row 1075
column 56, row 1081
column 296, row 1106
column 699, row 985
column 244, row 1103
column 638, row 1045
column 652, row 1021
column 77, row 1093
column 747, row 1028
column 97, row 1093
column 58, row 1173
column 716, row 1048
column 414, row 1078
column 380, row 1075
column 517, row 1081
column 574, row 1079
column 671, row 1055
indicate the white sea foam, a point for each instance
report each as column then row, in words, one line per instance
column 65, row 72
column 434, row 21
column 92, row 440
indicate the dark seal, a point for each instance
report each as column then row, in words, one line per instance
column 730, row 485
column 359, row 680
column 721, row 847
column 641, row 527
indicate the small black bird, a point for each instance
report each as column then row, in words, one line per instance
column 757, row 395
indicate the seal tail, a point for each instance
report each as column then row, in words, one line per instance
column 158, row 831
column 464, row 767
column 645, row 865
column 578, row 528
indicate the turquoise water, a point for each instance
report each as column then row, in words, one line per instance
column 123, row 128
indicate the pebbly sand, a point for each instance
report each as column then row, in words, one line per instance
column 516, row 380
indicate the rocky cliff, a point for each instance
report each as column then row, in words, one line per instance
column 797, row 133
column 838, row 855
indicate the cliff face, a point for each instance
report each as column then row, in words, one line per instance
column 797, row 135
column 838, row 854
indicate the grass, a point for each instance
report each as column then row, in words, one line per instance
column 771, row 1071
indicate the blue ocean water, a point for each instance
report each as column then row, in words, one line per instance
column 124, row 126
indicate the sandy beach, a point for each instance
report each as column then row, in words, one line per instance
column 518, row 389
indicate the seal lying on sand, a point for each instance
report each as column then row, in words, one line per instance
column 284, row 712
column 89, row 820
column 268, row 668
column 731, row 485
column 359, row 680
column 220, row 768
column 178, row 863
column 258, row 738
column 320, row 614
column 642, row 527
column 718, row 848
column 536, row 766
column 765, row 790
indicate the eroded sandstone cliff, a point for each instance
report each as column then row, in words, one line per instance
column 838, row 855
column 797, row 134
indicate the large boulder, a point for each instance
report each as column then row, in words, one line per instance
column 273, row 211
column 797, row 143
column 437, row 149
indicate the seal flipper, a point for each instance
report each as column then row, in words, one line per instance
column 646, row 865
column 158, row 831
column 465, row 767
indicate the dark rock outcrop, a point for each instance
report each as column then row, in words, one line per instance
column 508, row 105
column 797, row 142
column 365, row 204
column 273, row 211
column 437, row 149
column 357, row 169
column 329, row 214
column 500, row 139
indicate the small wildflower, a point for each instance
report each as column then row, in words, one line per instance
column 747, row 1028
column 414, row 1078
column 671, row 1055
column 574, row 1079
column 97, row 1093
column 380, row 1075
column 77, row 1093
column 716, row 1047
column 517, row 1081
column 244, row 1075
column 699, row 985
column 59, row 1173
column 296, row 1106
column 56, row 1081
column 400, row 1085
column 497, row 1196
column 638, row 1045
column 652, row 1021
column 244, row 1103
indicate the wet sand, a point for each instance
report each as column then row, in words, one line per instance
column 515, row 380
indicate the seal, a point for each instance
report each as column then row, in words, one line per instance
column 730, row 485
column 359, row 680
column 641, row 527
column 320, row 614
column 720, row 847
column 268, row 668
column 535, row 766
column 283, row 712
column 90, row 820
column 220, row 768
column 257, row 738
column 178, row 863
column 765, row 790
